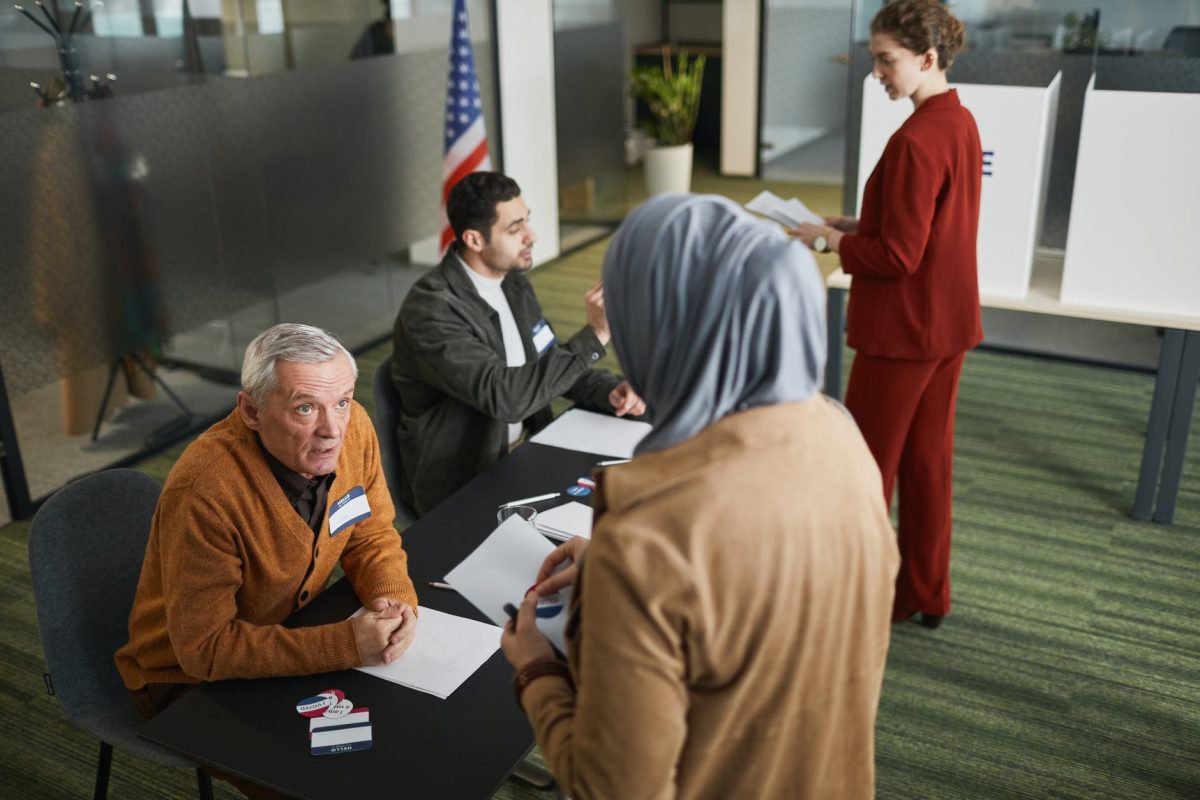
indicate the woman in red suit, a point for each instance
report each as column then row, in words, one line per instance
column 914, row 300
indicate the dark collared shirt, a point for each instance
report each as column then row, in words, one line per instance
column 308, row 496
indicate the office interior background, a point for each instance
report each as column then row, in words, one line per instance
column 228, row 164
column 237, row 163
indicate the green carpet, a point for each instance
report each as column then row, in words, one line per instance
column 1069, row 668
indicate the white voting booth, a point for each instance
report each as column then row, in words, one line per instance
column 1016, row 129
column 1134, row 239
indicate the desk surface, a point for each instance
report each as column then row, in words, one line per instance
column 463, row 746
column 1045, row 290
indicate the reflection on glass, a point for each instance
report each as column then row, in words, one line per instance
column 248, row 172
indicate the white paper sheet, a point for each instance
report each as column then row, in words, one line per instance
column 502, row 569
column 589, row 432
column 788, row 213
column 563, row 522
column 446, row 651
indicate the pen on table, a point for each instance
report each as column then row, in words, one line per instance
column 440, row 585
column 613, row 463
column 524, row 501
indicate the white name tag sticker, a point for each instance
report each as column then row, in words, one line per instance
column 346, row 735
column 543, row 336
column 348, row 509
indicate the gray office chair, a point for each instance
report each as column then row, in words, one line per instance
column 86, row 547
column 386, row 417
column 1184, row 39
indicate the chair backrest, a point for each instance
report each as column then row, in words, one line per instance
column 1184, row 39
column 386, row 418
column 86, row 547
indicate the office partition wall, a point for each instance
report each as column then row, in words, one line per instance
column 271, row 162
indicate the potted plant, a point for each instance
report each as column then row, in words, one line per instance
column 673, row 97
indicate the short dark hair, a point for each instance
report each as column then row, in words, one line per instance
column 472, row 203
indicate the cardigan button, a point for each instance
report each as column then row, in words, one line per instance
column 595, row 356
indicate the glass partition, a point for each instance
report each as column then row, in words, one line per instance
column 250, row 163
column 590, row 49
column 803, row 135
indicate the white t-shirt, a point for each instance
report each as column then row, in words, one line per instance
column 514, row 351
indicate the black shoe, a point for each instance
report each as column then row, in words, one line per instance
column 930, row 621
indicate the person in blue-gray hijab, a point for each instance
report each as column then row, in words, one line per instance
column 729, row 619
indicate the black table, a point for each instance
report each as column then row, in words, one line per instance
column 463, row 746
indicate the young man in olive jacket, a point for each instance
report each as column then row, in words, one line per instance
column 476, row 363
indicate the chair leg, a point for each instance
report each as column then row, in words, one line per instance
column 102, row 769
column 204, row 781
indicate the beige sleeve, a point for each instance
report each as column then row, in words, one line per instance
column 621, row 733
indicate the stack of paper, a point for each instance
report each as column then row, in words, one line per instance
column 503, row 569
column 589, row 432
column 446, row 651
column 788, row 214
column 566, row 521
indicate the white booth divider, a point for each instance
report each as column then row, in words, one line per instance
column 1016, row 129
column 1134, row 238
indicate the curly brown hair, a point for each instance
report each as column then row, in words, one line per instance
column 918, row 25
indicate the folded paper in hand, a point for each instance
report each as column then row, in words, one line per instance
column 502, row 569
column 788, row 214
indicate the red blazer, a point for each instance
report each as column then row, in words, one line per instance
column 915, row 292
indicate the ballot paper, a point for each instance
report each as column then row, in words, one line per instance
column 565, row 521
column 589, row 432
column 788, row 213
column 502, row 569
column 445, row 652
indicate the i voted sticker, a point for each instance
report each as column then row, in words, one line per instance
column 339, row 709
column 315, row 706
column 549, row 606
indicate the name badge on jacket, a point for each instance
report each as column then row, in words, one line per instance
column 348, row 509
column 543, row 336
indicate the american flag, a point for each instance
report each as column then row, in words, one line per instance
column 466, row 137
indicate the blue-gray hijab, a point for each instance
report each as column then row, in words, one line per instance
column 712, row 311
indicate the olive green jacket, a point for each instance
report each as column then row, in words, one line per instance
column 457, row 394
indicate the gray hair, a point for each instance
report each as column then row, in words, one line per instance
column 299, row 344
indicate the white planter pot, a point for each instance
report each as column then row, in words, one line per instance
column 669, row 169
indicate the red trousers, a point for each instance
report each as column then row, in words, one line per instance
column 905, row 410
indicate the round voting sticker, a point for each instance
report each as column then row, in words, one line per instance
column 338, row 694
column 315, row 706
column 549, row 606
column 339, row 709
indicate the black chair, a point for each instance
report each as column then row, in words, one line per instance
column 1184, row 39
column 86, row 547
column 386, row 418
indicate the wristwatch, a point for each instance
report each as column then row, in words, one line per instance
column 820, row 243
